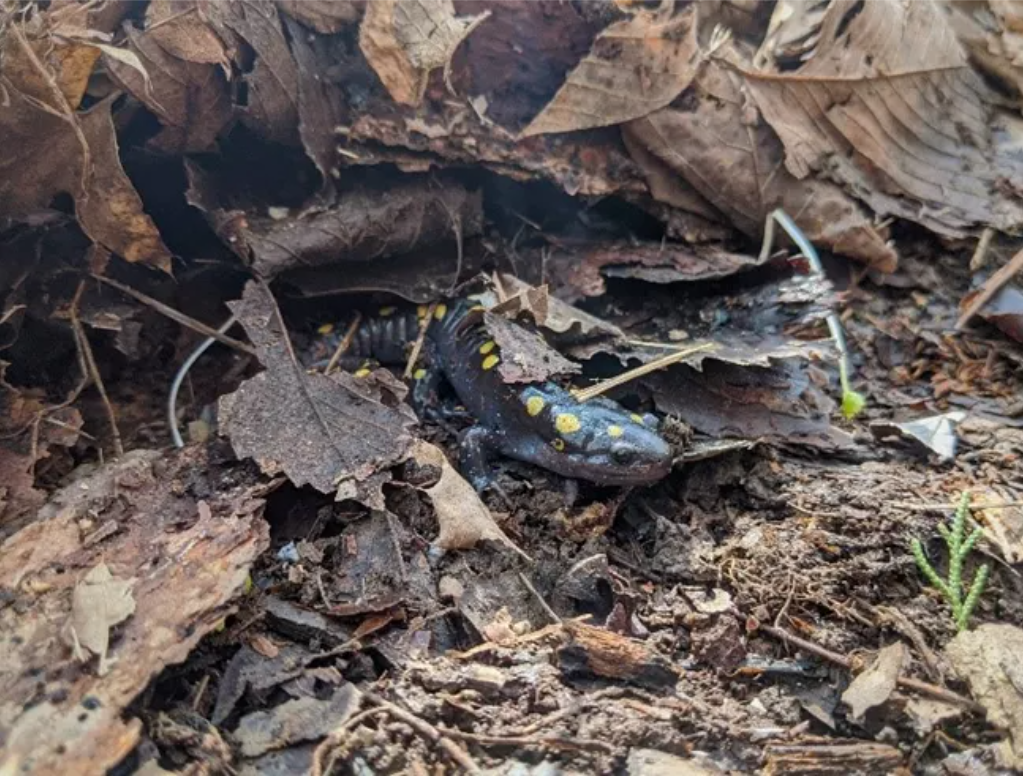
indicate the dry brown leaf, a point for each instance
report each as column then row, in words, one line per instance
column 635, row 67
column 875, row 685
column 74, row 153
column 191, row 99
column 273, row 78
column 912, row 130
column 98, row 603
column 333, row 433
column 992, row 33
column 736, row 164
column 181, row 29
column 405, row 40
column 463, row 518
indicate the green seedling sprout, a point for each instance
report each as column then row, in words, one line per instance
column 852, row 401
column 959, row 546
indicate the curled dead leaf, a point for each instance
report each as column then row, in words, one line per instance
column 463, row 518
column 634, row 67
column 404, row 41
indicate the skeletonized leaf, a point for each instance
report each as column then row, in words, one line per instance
column 635, row 67
column 405, row 41
column 98, row 603
column 911, row 129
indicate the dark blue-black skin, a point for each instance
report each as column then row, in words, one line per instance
column 539, row 423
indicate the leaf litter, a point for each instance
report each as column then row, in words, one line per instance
column 313, row 578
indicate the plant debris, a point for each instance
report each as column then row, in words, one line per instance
column 241, row 217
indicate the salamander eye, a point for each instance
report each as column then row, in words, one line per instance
column 623, row 455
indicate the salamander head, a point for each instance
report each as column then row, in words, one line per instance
column 596, row 440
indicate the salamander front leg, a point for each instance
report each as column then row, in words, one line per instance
column 477, row 445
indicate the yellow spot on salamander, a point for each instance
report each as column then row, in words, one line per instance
column 637, row 418
column 419, row 374
column 567, row 423
column 559, row 444
column 477, row 308
column 535, row 405
column 490, row 361
column 487, row 346
column 387, row 311
column 615, row 431
column 325, row 328
column 362, row 371
column 440, row 311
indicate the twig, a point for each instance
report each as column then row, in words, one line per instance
column 417, row 348
column 90, row 361
column 454, row 751
column 539, row 599
column 551, row 741
column 856, row 665
column 330, row 743
column 952, row 507
column 585, row 394
column 979, row 258
column 178, row 317
column 991, row 287
column 344, row 344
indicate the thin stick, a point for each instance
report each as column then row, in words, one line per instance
column 979, row 258
column 993, row 285
column 456, row 752
column 417, row 348
column 344, row 344
column 585, row 394
column 855, row 665
column 179, row 317
column 953, row 507
column 90, row 361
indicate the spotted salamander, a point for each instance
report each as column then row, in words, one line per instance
column 540, row 423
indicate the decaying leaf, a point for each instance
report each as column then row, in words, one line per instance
column 98, row 604
column 72, row 152
column 987, row 659
column 990, row 32
column 528, row 358
column 271, row 109
column 181, row 29
column 1003, row 526
column 912, row 130
column 302, row 719
column 405, row 40
column 764, row 393
column 332, row 433
column 365, row 224
column 188, row 561
column 875, row 685
column 191, row 99
column 635, row 67
column 936, row 433
column 738, row 166
column 463, row 518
